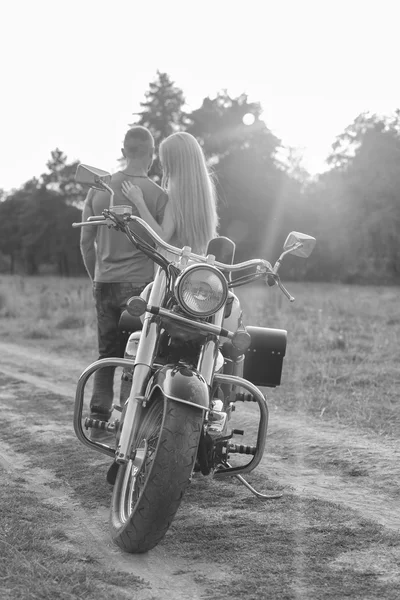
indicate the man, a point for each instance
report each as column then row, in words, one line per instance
column 118, row 270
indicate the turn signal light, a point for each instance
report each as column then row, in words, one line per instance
column 136, row 306
column 241, row 340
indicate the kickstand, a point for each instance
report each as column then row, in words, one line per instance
column 258, row 494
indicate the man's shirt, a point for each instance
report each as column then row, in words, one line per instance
column 116, row 259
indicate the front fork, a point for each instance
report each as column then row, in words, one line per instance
column 142, row 370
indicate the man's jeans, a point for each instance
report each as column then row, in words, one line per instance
column 111, row 299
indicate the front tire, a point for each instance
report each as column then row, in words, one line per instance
column 148, row 491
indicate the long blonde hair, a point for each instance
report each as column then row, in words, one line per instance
column 191, row 191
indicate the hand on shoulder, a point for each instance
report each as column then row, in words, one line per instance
column 132, row 192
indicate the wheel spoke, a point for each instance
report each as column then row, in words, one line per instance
column 135, row 507
column 136, row 478
column 131, row 491
column 135, row 470
column 122, row 499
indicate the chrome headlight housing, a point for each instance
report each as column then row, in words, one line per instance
column 201, row 290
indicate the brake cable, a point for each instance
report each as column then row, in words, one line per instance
column 170, row 269
column 144, row 247
column 245, row 279
column 137, row 241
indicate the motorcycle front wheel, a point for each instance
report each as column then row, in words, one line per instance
column 148, row 490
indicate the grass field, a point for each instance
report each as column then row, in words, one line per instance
column 343, row 351
column 334, row 534
column 294, row 549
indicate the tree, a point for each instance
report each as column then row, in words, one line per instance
column 61, row 178
column 35, row 221
column 219, row 125
column 245, row 166
column 364, row 128
column 162, row 113
column 47, row 234
column 291, row 161
column 362, row 199
column 12, row 215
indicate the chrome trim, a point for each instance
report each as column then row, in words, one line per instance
column 209, row 327
column 94, row 222
column 264, row 264
column 186, row 273
column 132, row 470
column 142, row 369
column 262, row 426
column 207, row 359
column 209, row 351
column 176, row 399
column 259, row 495
column 181, row 383
column 124, row 488
column 79, row 397
column 145, row 355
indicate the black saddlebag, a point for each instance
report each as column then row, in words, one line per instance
column 264, row 359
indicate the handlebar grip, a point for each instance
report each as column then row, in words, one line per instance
column 84, row 223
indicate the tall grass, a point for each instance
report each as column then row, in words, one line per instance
column 343, row 351
column 48, row 308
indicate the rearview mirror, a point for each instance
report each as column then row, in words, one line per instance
column 92, row 176
column 307, row 244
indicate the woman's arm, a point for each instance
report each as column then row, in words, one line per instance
column 135, row 195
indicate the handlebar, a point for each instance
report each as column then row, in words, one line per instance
column 185, row 251
column 262, row 266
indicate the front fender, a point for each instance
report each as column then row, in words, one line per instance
column 181, row 384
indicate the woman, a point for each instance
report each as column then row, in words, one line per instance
column 190, row 217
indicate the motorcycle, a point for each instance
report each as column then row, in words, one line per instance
column 188, row 361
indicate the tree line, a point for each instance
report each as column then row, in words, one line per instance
column 353, row 209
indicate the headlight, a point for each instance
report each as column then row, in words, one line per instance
column 201, row 290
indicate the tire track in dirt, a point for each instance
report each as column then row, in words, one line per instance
column 307, row 455
column 313, row 482
column 369, row 465
column 88, row 529
column 295, row 445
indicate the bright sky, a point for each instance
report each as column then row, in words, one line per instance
column 72, row 73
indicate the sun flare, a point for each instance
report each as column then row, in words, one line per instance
column 248, row 119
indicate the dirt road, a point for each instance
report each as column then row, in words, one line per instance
column 309, row 460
